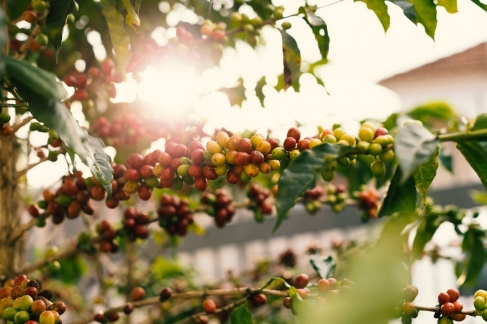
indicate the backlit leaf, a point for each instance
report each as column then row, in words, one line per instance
column 426, row 15
column 425, row 174
column 56, row 19
column 379, row 7
column 400, row 197
column 291, row 59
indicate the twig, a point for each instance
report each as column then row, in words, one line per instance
column 22, row 123
column 20, row 231
column 41, row 263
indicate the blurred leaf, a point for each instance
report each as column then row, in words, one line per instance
column 241, row 315
column 449, row 5
column 291, row 59
column 136, row 4
column 426, row 15
column 413, row 146
column 391, row 121
column 479, row 197
column 35, row 79
column 408, row 9
column 473, row 247
column 424, row 233
column 425, row 174
column 325, row 267
column 320, row 30
column 71, row 270
column 263, row 8
column 16, row 8
column 259, row 90
column 475, row 153
column 300, row 175
column 480, row 4
column 162, row 269
column 236, row 95
column 56, row 19
column 480, row 122
column 429, row 112
column 379, row 7
column 120, row 39
column 446, row 159
column 359, row 174
column 400, row 197
column 197, row 229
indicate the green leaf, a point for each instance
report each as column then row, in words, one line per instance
column 120, row 39
column 473, row 247
column 379, row 7
column 480, row 4
column 56, row 19
column 300, row 175
column 136, row 4
column 71, row 270
column 425, row 174
column 424, row 233
column 480, row 197
column 414, row 145
column 476, row 154
column 236, row 95
column 291, row 59
column 408, row 9
column 400, row 197
column 433, row 111
column 446, row 159
column 162, row 269
column 35, row 79
column 450, row 5
column 259, row 92
column 241, row 315
column 56, row 116
column 480, row 122
column 325, row 267
column 320, row 30
column 426, row 15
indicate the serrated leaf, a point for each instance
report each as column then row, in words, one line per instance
column 325, row 267
column 480, row 4
column 449, row 5
column 56, row 19
column 446, row 159
column 425, row 174
column 413, row 146
column 320, row 31
column 291, row 59
column 426, row 15
column 34, row 78
column 241, row 315
column 473, row 247
column 408, row 9
column 480, row 122
column 120, row 39
column 379, row 7
column 300, row 175
column 400, row 197
column 475, row 153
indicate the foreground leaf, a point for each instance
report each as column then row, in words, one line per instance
column 320, row 31
column 480, row 122
column 300, row 175
column 426, row 15
column 35, row 79
column 446, row 159
column 379, row 7
column 408, row 9
column 424, row 175
column 414, row 145
column 400, row 197
column 241, row 315
column 291, row 59
column 120, row 39
column 56, row 20
column 480, row 4
column 424, row 233
column 475, row 153
column 475, row 257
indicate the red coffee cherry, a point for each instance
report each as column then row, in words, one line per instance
column 209, row 306
column 301, row 281
column 454, row 294
column 447, row 308
column 443, row 298
column 294, row 133
column 165, row 294
column 137, row 293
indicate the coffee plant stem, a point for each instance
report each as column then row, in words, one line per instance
column 19, row 231
column 464, row 135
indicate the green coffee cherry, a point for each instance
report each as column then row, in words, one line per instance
column 378, row 169
column 286, row 25
column 4, row 117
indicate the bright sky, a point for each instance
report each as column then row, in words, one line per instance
column 360, row 55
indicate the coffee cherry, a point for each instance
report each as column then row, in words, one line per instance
column 380, row 132
column 137, row 293
column 375, row 149
column 323, row 285
column 286, row 302
column 443, row 298
column 458, row 317
column 313, row 143
column 259, row 299
column 128, row 308
column 209, row 306
column 454, row 294
column 289, row 144
column 366, row 134
column 378, row 169
column 165, row 294
column 295, row 133
column 408, row 308
column 447, row 308
column 410, row 293
column 286, row 25
column 301, row 281
column 479, row 303
column 47, row 317
column 458, row 306
column 30, row 16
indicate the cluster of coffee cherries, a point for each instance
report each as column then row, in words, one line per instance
column 107, row 235
column 67, row 202
column 22, row 301
column 33, row 15
column 125, row 130
column 84, row 82
column 312, row 199
column 5, row 128
column 135, row 224
column 450, row 307
column 408, row 311
column 336, row 197
column 219, row 205
column 368, row 202
column 480, row 303
column 214, row 31
column 259, row 202
column 174, row 214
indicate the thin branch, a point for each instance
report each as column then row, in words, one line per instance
column 17, row 234
column 22, row 123
column 42, row 263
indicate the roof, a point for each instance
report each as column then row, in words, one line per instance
column 471, row 60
